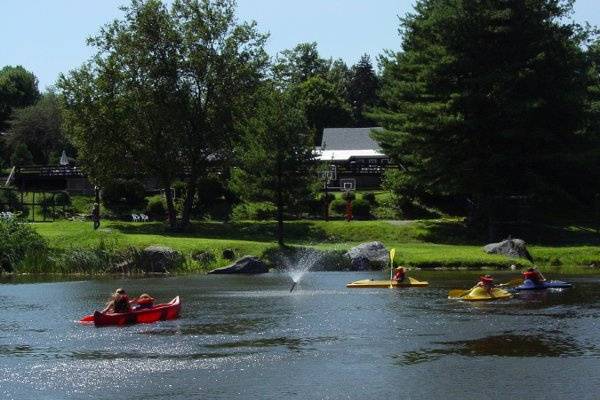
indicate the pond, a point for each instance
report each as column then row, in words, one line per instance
column 248, row 337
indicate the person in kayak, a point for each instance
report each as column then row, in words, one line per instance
column 486, row 282
column 118, row 303
column 399, row 275
column 144, row 301
column 534, row 275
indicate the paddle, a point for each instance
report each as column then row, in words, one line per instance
column 512, row 282
column 392, row 254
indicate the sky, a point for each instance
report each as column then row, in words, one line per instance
column 48, row 37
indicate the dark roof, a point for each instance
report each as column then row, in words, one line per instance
column 349, row 139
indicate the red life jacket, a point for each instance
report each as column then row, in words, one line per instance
column 486, row 281
column 531, row 275
column 399, row 275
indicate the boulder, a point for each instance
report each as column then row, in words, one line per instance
column 228, row 254
column 514, row 248
column 245, row 265
column 365, row 256
column 159, row 259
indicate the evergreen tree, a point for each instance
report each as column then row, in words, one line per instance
column 276, row 160
column 485, row 100
column 362, row 90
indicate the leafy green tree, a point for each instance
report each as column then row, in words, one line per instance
column 362, row 90
column 163, row 94
column 39, row 126
column 276, row 161
column 485, row 99
column 297, row 65
column 124, row 108
column 18, row 88
column 21, row 155
column 339, row 76
column 322, row 105
column 222, row 63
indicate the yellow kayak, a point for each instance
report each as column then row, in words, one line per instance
column 481, row 294
column 370, row 283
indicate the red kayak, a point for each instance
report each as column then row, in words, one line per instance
column 160, row 312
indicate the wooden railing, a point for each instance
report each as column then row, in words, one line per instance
column 50, row 171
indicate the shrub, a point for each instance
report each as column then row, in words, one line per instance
column 123, row 196
column 361, row 208
column 370, row 197
column 253, row 211
column 339, row 206
column 18, row 241
column 156, row 208
column 348, row 195
column 10, row 201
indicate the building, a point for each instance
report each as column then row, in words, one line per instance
column 355, row 160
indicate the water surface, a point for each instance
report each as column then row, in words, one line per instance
column 249, row 338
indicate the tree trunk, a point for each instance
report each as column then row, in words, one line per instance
column 189, row 200
column 279, row 205
column 170, row 208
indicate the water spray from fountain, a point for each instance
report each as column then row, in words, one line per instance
column 298, row 265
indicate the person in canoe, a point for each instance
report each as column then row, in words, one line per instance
column 534, row 275
column 144, row 301
column 118, row 303
column 486, row 282
column 399, row 274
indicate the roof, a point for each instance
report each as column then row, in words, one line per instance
column 349, row 139
column 344, row 155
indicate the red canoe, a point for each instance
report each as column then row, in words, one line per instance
column 160, row 312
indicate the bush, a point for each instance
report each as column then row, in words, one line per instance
column 361, row 208
column 156, row 208
column 18, row 241
column 123, row 196
column 9, row 200
column 348, row 195
column 253, row 211
column 370, row 197
column 339, row 206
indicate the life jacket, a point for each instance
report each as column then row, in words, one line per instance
column 121, row 304
column 486, row 281
column 531, row 275
column 399, row 275
column 145, row 302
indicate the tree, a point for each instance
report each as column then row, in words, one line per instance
column 297, row 65
column 18, row 88
column 322, row 105
column 163, row 94
column 39, row 126
column 21, row 156
column 223, row 62
column 277, row 161
column 485, row 100
column 362, row 90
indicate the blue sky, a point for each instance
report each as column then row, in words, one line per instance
column 48, row 36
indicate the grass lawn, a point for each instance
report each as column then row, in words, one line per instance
column 430, row 243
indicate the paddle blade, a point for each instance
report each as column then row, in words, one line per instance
column 392, row 255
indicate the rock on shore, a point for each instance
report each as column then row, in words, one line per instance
column 514, row 248
column 370, row 255
column 245, row 265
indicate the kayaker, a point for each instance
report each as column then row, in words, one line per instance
column 486, row 282
column 118, row 303
column 144, row 301
column 534, row 275
column 399, row 275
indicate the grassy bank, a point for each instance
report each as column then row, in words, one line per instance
column 423, row 244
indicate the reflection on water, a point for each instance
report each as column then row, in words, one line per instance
column 249, row 338
column 231, row 328
column 507, row 345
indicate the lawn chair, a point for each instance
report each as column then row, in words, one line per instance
column 135, row 217
column 144, row 217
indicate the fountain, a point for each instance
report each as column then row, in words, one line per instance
column 297, row 265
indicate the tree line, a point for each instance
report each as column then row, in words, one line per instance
column 484, row 101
